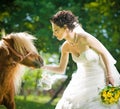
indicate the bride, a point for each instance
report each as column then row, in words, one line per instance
column 95, row 65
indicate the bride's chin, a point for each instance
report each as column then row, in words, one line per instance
column 59, row 39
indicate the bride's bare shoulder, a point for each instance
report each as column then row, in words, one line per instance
column 65, row 46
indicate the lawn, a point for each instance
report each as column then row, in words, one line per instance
column 33, row 102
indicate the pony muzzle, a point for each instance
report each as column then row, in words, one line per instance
column 38, row 64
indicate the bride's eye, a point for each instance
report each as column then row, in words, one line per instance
column 55, row 31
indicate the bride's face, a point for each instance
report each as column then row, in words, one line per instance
column 59, row 32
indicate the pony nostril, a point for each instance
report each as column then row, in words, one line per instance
column 36, row 64
column 42, row 64
column 41, row 61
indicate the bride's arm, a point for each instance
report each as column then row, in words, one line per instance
column 63, row 61
column 97, row 46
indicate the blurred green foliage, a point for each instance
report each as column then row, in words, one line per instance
column 31, row 79
column 101, row 18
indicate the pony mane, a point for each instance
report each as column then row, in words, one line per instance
column 23, row 42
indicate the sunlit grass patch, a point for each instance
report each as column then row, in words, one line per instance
column 34, row 102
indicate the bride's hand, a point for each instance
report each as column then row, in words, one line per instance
column 43, row 67
column 110, row 80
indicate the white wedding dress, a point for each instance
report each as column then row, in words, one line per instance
column 86, row 83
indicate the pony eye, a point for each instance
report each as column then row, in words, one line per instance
column 56, row 30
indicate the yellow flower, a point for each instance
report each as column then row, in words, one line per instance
column 104, row 93
column 111, row 100
column 109, row 94
column 117, row 95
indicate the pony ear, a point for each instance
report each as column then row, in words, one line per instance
column 7, row 39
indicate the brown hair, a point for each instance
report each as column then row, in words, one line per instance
column 64, row 17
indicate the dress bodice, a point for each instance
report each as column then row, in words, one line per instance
column 88, row 56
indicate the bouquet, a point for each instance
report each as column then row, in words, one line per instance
column 110, row 95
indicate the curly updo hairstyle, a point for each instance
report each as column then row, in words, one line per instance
column 64, row 17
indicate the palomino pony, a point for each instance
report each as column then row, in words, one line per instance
column 16, row 50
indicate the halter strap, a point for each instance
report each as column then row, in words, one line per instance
column 16, row 53
column 0, row 66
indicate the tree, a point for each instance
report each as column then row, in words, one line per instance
column 103, row 18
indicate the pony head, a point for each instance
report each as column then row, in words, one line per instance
column 21, row 48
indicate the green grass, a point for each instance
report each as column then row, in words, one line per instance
column 33, row 102
column 2, row 107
